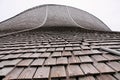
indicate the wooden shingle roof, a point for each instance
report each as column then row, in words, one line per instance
column 71, row 54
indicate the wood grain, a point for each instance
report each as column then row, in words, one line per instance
column 27, row 73
column 62, row 61
column 14, row 74
column 42, row 73
column 58, row 72
column 89, row 69
column 38, row 62
column 103, row 68
column 74, row 70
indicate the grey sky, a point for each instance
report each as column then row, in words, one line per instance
column 106, row 10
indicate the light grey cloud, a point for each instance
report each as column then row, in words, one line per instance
column 106, row 10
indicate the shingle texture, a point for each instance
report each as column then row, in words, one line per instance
column 61, row 52
column 52, row 15
column 64, row 54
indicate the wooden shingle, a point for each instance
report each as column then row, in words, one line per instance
column 62, row 61
column 103, row 68
column 35, row 55
column 38, row 62
column 111, row 57
column 105, row 77
column 85, row 59
column 99, row 58
column 50, row 61
column 25, row 55
column 14, row 74
column 74, row 60
column 42, row 73
column 87, row 78
column 25, row 62
column 59, row 49
column 74, row 70
column 13, row 62
column 27, row 73
column 66, row 53
column 45, row 55
column 78, row 53
column 58, row 72
column 56, row 54
column 117, row 75
column 114, row 65
column 89, row 69
column 5, row 71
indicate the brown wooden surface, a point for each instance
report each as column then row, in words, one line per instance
column 114, row 65
column 51, row 49
column 117, row 75
column 25, row 62
column 58, row 72
column 59, row 49
column 25, row 55
column 77, row 53
column 66, row 53
column 38, row 62
column 105, row 77
column 5, row 71
column 68, row 48
column 45, row 55
column 42, row 50
column 89, row 69
column 85, row 47
column 15, row 56
column 42, row 72
column 6, row 57
column 74, row 60
column 56, row 54
column 35, row 55
column 14, row 74
column 111, row 57
column 50, row 61
column 85, row 59
column 87, row 52
column 27, row 73
column 103, row 68
column 99, row 58
column 76, row 48
column 96, row 52
column 87, row 78
column 62, row 60
column 74, row 70
column 3, row 63
column 13, row 62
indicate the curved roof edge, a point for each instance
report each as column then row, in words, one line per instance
column 107, row 28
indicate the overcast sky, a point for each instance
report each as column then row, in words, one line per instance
column 106, row 10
